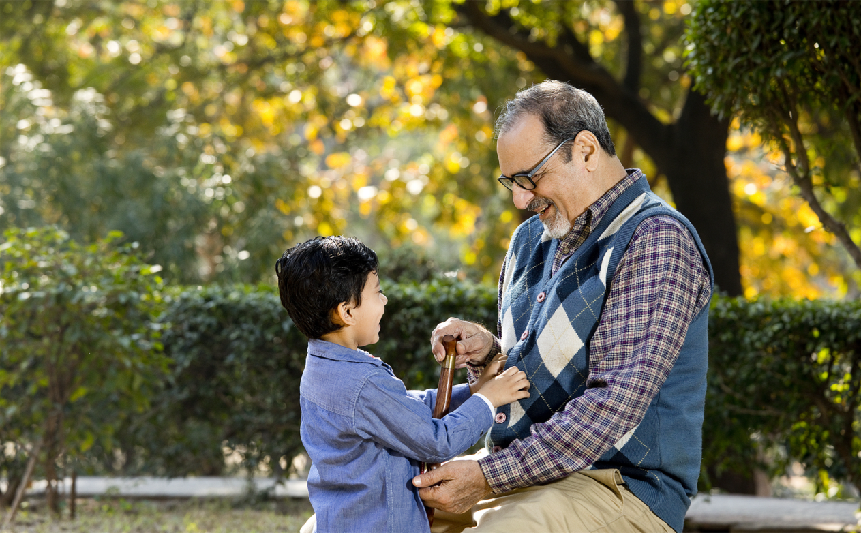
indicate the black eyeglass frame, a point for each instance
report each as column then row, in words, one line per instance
column 520, row 176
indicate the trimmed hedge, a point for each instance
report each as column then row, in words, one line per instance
column 784, row 385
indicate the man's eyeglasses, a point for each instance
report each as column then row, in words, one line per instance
column 524, row 179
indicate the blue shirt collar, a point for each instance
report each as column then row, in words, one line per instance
column 336, row 352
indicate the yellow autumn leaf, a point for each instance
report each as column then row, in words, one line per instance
column 324, row 229
column 734, row 143
column 338, row 160
column 387, row 89
column 358, row 181
column 438, row 37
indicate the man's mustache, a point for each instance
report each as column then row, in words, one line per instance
column 538, row 204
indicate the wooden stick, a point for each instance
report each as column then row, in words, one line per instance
column 443, row 396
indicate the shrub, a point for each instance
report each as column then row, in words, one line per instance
column 785, row 376
column 80, row 353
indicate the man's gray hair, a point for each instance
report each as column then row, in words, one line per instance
column 563, row 109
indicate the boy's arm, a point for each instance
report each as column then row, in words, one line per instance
column 459, row 394
column 387, row 414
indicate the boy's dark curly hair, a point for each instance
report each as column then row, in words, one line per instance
column 317, row 275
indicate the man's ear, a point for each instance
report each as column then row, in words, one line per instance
column 586, row 147
column 342, row 315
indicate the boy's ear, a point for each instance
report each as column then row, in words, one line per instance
column 342, row 316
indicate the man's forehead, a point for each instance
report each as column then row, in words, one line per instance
column 521, row 143
column 528, row 125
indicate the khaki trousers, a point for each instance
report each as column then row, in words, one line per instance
column 586, row 501
column 590, row 501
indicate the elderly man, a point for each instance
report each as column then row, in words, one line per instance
column 603, row 302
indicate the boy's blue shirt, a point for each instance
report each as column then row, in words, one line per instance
column 366, row 434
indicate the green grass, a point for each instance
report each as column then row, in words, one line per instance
column 174, row 516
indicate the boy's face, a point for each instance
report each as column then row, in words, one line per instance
column 368, row 315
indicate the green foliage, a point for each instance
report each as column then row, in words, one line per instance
column 787, row 69
column 182, row 207
column 751, row 56
column 234, row 383
column 80, row 350
column 785, row 382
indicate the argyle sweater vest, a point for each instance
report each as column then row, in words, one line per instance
column 547, row 325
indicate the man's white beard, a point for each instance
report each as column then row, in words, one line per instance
column 558, row 226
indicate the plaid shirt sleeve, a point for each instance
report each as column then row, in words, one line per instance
column 660, row 284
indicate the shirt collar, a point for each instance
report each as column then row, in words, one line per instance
column 592, row 216
column 330, row 350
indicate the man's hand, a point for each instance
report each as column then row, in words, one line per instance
column 473, row 344
column 454, row 487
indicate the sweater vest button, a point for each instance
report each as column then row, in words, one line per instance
column 500, row 418
column 524, row 335
column 541, row 297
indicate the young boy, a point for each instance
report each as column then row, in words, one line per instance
column 364, row 432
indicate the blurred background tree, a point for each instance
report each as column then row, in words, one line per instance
column 787, row 70
column 217, row 133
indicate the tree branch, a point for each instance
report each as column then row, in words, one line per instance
column 634, row 62
column 803, row 179
column 571, row 61
column 571, row 56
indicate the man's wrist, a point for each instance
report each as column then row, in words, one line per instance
column 504, row 471
column 494, row 349
column 486, row 474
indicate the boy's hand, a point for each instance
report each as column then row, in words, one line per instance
column 507, row 387
column 493, row 369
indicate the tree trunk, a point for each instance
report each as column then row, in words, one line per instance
column 51, row 442
column 12, row 484
column 19, row 493
column 693, row 162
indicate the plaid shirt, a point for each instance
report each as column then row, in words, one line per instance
column 659, row 286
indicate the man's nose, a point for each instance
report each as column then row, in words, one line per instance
column 521, row 197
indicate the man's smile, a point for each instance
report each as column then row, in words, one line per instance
column 540, row 206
